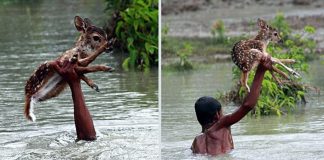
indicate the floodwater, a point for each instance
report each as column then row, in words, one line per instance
column 125, row 112
column 296, row 136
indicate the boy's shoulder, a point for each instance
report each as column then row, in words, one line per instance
column 198, row 142
column 200, row 137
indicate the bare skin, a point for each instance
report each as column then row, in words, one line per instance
column 216, row 137
column 72, row 74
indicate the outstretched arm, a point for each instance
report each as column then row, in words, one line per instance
column 251, row 99
column 82, row 118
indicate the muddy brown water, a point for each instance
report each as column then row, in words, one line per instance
column 295, row 136
column 125, row 112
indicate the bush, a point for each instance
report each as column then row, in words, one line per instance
column 218, row 32
column 273, row 99
column 183, row 55
column 137, row 30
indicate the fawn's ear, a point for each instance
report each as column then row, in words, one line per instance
column 87, row 22
column 262, row 24
column 79, row 24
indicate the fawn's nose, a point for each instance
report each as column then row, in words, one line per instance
column 110, row 47
column 280, row 41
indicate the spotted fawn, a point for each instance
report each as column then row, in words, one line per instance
column 246, row 54
column 45, row 83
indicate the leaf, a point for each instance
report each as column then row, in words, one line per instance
column 309, row 29
column 126, row 64
column 136, row 25
column 149, row 48
column 146, row 59
column 130, row 41
column 118, row 28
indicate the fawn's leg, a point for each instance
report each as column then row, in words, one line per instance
column 241, row 79
column 84, row 70
column 89, row 82
column 287, row 61
column 275, row 60
column 275, row 78
column 244, row 78
column 280, row 72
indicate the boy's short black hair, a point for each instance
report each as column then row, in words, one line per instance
column 206, row 108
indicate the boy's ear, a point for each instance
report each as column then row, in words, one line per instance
column 217, row 116
column 262, row 24
column 79, row 24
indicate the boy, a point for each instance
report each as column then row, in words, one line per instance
column 216, row 137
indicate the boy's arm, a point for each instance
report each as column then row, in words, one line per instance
column 251, row 99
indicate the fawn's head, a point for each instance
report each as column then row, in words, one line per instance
column 267, row 33
column 91, row 37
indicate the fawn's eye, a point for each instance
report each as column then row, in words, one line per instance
column 96, row 38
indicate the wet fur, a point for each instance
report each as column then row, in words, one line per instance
column 41, row 86
column 242, row 55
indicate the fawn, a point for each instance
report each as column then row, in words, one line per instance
column 246, row 54
column 45, row 83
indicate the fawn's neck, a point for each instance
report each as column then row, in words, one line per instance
column 262, row 36
column 84, row 46
column 265, row 41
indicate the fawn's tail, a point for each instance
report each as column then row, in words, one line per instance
column 29, row 108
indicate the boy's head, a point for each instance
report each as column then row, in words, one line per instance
column 207, row 108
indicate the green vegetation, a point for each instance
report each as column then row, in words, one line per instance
column 137, row 31
column 218, row 31
column 183, row 55
column 280, row 23
column 274, row 99
column 183, row 52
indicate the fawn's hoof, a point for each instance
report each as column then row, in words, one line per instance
column 280, row 85
column 246, row 88
column 95, row 87
column 111, row 69
column 295, row 74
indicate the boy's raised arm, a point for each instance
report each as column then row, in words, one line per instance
column 251, row 99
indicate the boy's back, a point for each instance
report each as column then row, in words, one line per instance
column 219, row 142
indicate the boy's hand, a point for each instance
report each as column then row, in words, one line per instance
column 66, row 69
column 266, row 63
